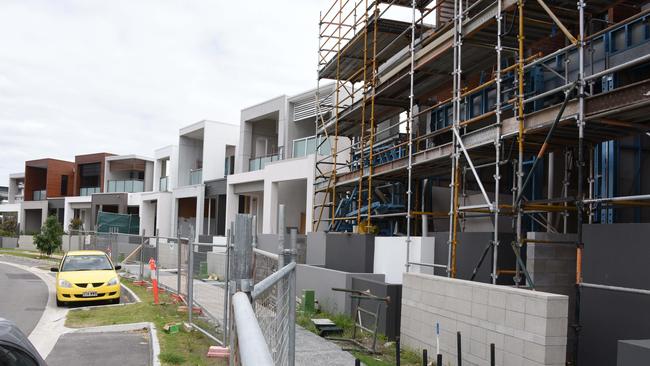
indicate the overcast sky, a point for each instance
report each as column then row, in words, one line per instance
column 122, row 76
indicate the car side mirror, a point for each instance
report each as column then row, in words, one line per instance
column 54, row 269
column 118, row 267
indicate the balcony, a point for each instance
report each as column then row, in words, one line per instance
column 308, row 145
column 88, row 191
column 127, row 186
column 40, row 195
column 260, row 162
column 196, row 176
column 162, row 184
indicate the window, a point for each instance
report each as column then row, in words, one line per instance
column 229, row 166
column 64, row 185
column 86, row 263
column 10, row 356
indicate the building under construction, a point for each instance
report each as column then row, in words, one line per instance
column 525, row 121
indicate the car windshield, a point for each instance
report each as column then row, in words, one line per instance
column 86, row 263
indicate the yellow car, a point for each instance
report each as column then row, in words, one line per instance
column 86, row 275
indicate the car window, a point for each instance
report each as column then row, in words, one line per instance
column 10, row 356
column 86, row 263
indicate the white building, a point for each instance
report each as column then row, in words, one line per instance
column 156, row 214
column 206, row 155
column 15, row 196
column 275, row 162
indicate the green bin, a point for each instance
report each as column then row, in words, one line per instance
column 308, row 301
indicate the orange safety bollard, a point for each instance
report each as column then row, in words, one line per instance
column 154, row 279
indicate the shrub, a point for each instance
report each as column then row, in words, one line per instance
column 8, row 227
column 49, row 239
column 75, row 224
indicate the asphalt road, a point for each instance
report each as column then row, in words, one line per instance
column 100, row 349
column 23, row 297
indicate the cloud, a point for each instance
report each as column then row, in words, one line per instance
column 123, row 76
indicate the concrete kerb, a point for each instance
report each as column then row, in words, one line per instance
column 153, row 335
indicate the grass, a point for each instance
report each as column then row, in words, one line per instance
column 182, row 348
column 386, row 350
column 28, row 254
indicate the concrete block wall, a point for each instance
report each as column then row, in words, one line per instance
column 8, row 242
column 527, row 327
column 26, row 242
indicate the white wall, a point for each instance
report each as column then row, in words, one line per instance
column 171, row 153
column 72, row 203
column 390, row 256
column 216, row 136
column 274, row 175
column 189, row 152
column 248, row 115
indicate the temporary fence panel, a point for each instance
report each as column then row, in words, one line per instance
column 207, row 288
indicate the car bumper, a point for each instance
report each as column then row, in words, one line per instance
column 77, row 294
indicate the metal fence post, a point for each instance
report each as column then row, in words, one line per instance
column 243, row 251
column 190, row 281
column 292, row 299
column 179, row 268
column 141, row 257
column 226, row 293
column 157, row 260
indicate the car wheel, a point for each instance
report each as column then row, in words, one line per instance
column 60, row 303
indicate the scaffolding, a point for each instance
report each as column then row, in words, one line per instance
column 406, row 130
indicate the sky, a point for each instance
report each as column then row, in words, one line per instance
column 123, row 76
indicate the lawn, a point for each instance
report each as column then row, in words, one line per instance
column 182, row 348
column 386, row 350
column 28, row 254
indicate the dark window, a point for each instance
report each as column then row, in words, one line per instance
column 90, row 174
column 64, row 185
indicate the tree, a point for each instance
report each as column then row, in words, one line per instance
column 49, row 239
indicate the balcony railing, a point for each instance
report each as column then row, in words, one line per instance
column 87, row 191
column 162, row 184
column 40, row 195
column 127, row 186
column 308, row 145
column 260, row 162
column 196, row 176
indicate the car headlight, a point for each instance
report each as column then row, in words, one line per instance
column 64, row 283
column 113, row 281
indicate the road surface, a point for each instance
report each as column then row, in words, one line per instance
column 23, row 297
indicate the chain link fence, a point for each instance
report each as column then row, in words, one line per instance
column 262, row 326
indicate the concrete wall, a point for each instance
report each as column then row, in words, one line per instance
column 390, row 256
column 217, row 135
column 72, row 242
column 26, row 242
column 527, row 327
column 322, row 280
column 8, row 242
column 614, row 255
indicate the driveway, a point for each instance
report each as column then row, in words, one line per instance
column 100, row 349
column 23, row 297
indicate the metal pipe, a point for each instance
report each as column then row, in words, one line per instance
column 409, row 132
column 497, row 149
column 616, row 288
column 641, row 197
column 557, row 21
column 252, row 347
column 271, row 280
column 265, row 253
column 622, row 66
column 293, row 241
column 520, row 135
column 580, row 198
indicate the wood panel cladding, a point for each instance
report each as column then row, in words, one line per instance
column 48, row 175
column 89, row 159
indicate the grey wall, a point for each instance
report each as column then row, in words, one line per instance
column 341, row 251
column 389, row 313
column 322, row 280
column 269, row 243
column 617, row 255
column 633, row 353
column 469, row 250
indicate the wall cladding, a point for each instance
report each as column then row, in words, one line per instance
column 326, row 248
column 615, row 255
column 527, row 327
